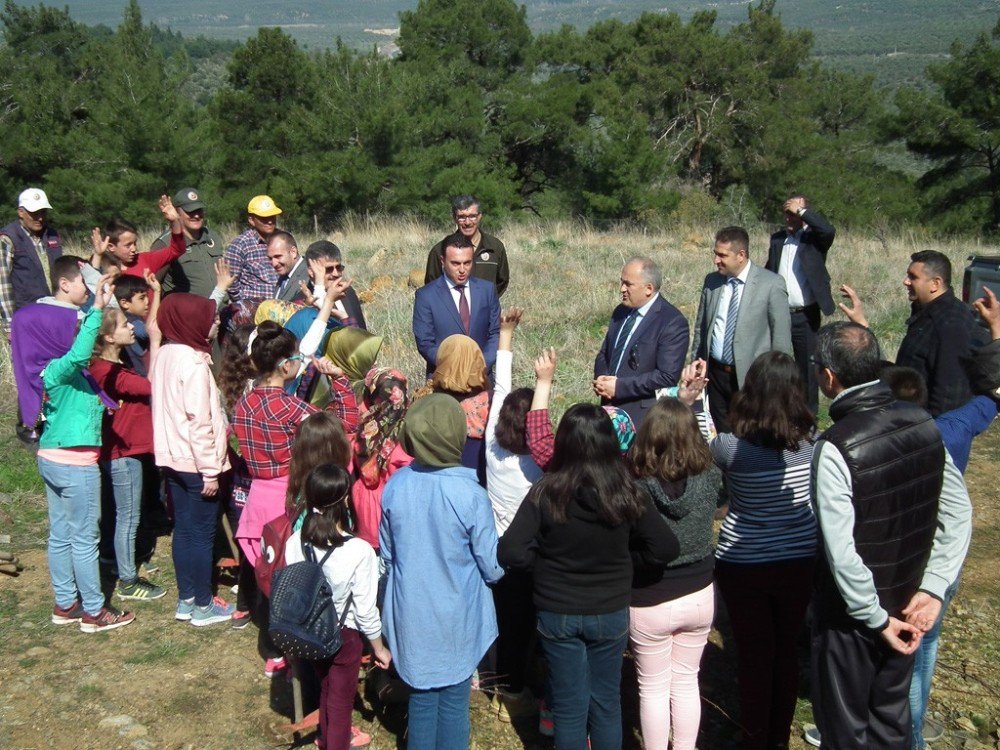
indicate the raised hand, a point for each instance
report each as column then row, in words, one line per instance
column 168, row 210
column 856, row 312
column 224, row 278
column 545, row 365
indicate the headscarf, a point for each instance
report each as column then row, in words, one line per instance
column 276, row 310
column 39, row 333
column 354, row 351
column 461, row 367
column 302, row 321
column 434, row 433
column 384, row 407
column 624, row 426
column 187, row 319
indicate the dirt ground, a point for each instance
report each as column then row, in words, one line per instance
column 162, row 684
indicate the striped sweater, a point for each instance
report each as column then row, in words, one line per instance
column 770, row 517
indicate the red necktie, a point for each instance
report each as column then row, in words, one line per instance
column 463, row 308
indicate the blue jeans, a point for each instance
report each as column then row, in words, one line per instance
column 195, row 520
column 74, row 499
column 126, row 483
column 584, row 654
column 439, row 718
column 924, row 660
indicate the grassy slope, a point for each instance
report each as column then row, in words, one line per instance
column 187, row 686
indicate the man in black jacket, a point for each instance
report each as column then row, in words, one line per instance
column 798, row 254
column 940, row 331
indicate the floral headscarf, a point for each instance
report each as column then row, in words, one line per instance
column 384, row 407
column 276, row 310
column 624, row 427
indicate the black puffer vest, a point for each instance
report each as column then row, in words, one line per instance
column 895, row 455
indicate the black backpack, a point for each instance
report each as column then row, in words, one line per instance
column 304, row 620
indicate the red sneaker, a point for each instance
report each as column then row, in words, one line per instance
column 107, row 619
column 69, row 615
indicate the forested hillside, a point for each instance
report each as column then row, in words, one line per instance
column 654, row 120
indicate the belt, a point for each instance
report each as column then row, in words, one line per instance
column 803, row 308
column 728, row 369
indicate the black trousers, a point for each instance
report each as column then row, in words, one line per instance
column 805, row 324
column 722, row 386
column 516, row 622
column 860, row 690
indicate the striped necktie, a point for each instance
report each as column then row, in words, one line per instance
column 732, row 316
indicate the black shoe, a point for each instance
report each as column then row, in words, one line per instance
column 27, row 435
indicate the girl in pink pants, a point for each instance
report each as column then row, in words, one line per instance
column 671, row 612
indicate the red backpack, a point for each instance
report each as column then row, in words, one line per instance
column 272, row 551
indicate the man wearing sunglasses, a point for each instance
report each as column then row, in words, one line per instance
column 325, row 263
column 193, row 272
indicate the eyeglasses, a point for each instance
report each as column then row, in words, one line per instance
column 460, row 218
column 300, row 357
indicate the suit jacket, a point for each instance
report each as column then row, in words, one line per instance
column 292, row 292
column 814, row 244
column 764, row 323
column 435, row 318
column 654, row 358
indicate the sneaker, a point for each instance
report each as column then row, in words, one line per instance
column 810, row 733
column 359, row 738
column 513, row 706
column 185, row 608
column 68, row 616
column 217, row 611
column 149, row 568
column 273, row 667
column 108, row 618
column 546, row 725
column 241, row 618
column 139, row 589
column 933, row 730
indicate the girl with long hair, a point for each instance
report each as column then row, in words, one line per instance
column 768, row 541
column 575, row 530
column 126, row 449
column 672, row 608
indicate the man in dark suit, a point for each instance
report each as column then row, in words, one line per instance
column 489, row 256
column 290, row 267
column 456, row 302
column 743, row 312
column 325, row 263
column 798, row 254
column 645, row 346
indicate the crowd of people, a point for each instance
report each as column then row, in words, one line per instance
column 456, row 528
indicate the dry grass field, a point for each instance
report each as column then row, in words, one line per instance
column 159, row 684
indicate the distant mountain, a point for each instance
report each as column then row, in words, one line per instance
column 892, row 38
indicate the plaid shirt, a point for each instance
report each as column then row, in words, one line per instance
column 253, row 276
column 541, row 441
column 938, row 335
column 266, row 419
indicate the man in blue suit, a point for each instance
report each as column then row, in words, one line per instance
column 456, row 302
column 645, row 346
